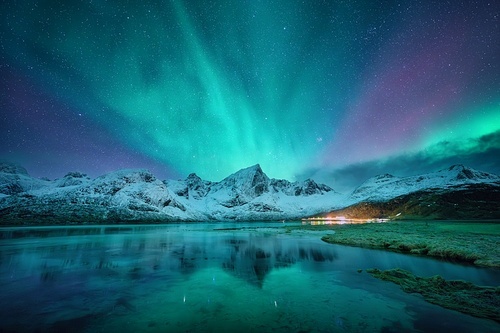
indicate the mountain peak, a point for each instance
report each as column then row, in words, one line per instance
column 9, row 167
column 127, row 176
column 195, row 182
column 251, row 181
column 193, row 176
column 310, row 187
column 463, row 172
column 254, row 171
column 384, row 176
column 255, row 167
column 457, row 167
column 460, row 172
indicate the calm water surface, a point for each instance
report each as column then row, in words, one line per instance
column 212, row 278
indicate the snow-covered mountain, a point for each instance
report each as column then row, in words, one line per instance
column 133, row 195
column 249, row 194
column 14, row 179
column 122, row 195
column 386, row 187
column 458, row 192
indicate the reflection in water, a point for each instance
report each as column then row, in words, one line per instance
column 187, row 277
column 254, row 258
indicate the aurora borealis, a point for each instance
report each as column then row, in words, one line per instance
column 305, row 88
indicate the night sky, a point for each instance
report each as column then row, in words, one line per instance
column 334, row 90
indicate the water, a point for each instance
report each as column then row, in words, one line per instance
column 212, row 278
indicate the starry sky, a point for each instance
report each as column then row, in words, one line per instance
column 334, row 90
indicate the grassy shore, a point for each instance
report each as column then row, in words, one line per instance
column 462, row 296
column 471, row 242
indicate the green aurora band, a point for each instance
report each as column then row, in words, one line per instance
column 216, row 86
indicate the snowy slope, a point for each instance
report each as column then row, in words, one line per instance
column 126, row 195
column 120, row 195
column 386, row 187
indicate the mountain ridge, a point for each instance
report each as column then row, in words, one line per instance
column 136, row 195
column 383, row 187
column 457, row 192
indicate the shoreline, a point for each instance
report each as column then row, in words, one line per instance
column 458, row 295
column 473, row 243
column 476, row 243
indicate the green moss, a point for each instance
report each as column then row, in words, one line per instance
column 476, row 243
column 462, row 296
